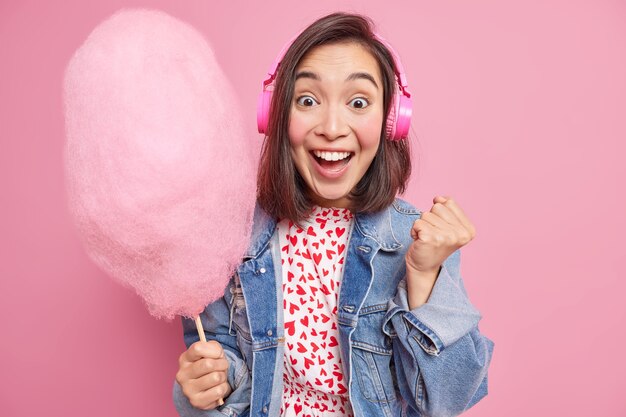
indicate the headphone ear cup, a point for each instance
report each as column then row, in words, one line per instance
column 403, row 117
column 263, row 110
column 390, row 128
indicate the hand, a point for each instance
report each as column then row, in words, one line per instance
column 437, row 234
column 203, row 374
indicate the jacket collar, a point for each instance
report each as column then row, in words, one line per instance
column 376, row 226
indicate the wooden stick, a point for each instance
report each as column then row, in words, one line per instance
column 203, row 338
column 200, row 329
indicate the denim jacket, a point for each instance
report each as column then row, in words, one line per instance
column 429, row 361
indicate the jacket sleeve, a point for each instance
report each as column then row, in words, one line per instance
column 216, row 323
column 441, row 359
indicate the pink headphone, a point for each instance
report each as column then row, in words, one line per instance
column 400, row 110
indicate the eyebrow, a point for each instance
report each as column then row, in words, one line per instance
column 308, row 74
column 351, row 77
column 362, row 76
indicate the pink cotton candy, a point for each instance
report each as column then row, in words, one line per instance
column 160, row 178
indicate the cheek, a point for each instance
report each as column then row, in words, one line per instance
column 297, row 130
column 369, row 132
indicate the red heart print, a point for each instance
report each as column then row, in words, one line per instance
column 290, row 326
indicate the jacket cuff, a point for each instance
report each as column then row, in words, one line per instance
column 447, row 316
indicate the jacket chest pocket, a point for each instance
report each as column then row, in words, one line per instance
column 372, row 356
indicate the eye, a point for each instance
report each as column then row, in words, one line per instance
column 359, row 103
column 306, row 101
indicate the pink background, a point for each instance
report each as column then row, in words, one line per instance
column 520, row 112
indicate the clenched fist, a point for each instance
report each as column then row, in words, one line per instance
column 437, row 234
column 203, row 374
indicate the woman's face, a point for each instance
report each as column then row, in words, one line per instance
column 336, row 120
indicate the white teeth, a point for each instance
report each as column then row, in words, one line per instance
column 331, row 156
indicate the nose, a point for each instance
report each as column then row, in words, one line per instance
column 332, row 124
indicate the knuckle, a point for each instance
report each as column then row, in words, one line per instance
column 216, row 377
column 215, row 346
column 197, row 403
column 207, row 365
column 180, row 378
column 196, row 349
column 189, row 393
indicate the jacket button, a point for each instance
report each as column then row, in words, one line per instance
column 270, row 332
column 262, row 271
column 264, row 410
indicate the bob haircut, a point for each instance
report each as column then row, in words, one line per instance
column 281, row 190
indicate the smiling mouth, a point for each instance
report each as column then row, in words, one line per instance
column 332, row 161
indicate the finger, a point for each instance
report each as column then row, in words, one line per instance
column 198, row 350
column 210, row 398
column 460, row 214
column 440, row 199
column 445, row 213
column 435, row 220
column 205, row 366
column 208, row 381
column 440, row 232
column 421, row 228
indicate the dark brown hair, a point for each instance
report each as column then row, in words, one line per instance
column 281, row 189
